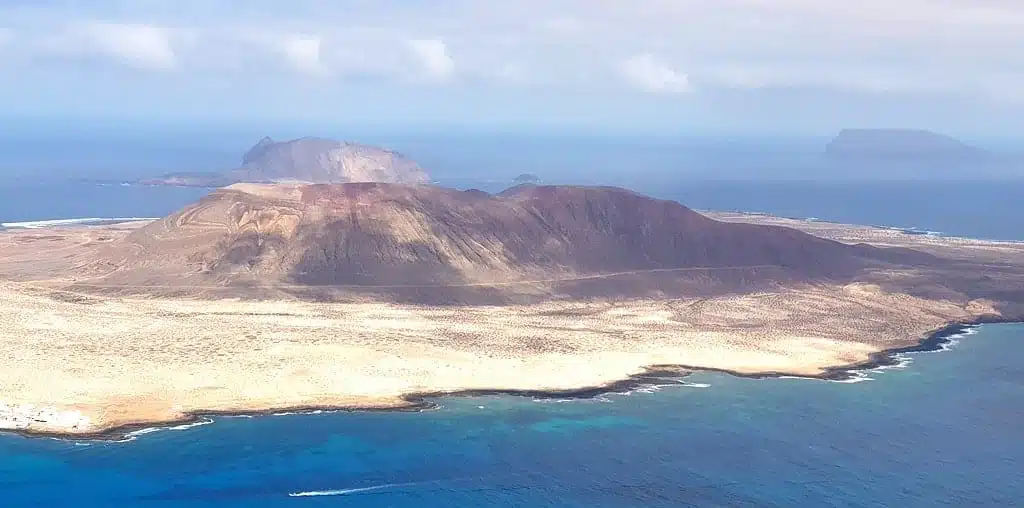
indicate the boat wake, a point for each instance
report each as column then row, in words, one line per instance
column 345, row 492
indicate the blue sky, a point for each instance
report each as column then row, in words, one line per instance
column 744, row 66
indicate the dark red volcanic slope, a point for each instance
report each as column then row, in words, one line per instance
column 606, row 228
column 375, row 234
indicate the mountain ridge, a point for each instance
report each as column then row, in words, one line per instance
column 420, row 242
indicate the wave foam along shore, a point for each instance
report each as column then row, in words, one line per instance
column 185, row 426
column 85, row 221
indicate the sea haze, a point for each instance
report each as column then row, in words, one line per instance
column 51, row 156
column 50, row 176
column 981, row 209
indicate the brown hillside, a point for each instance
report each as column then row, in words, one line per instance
column 399, row 237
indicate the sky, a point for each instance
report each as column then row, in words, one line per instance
column 697, row 66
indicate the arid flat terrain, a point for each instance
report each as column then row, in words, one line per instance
column 130, row 360
column 79, row 355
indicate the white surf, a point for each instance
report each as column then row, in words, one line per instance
column 37, row 224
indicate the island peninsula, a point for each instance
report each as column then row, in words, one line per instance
column 265, row 297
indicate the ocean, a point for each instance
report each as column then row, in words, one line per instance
column 944, row 430
column 979, row 209
column 941, row 429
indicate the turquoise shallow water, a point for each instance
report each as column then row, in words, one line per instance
column 943, row 431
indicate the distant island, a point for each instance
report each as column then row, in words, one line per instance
column 269, row 297
column 899, row 144
column 310, row 160
column 191, row 179
column 526, row 179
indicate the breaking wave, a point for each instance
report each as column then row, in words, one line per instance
column 38, row 224
column 149, row 430
column 694, row 385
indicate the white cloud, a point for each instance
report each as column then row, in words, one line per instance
column 433, row 57
column 960, row 46
column 145, row 47
column 303, row 54
column 651, row 74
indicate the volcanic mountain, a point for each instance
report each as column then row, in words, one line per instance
column 321, row 160
column 311, row 160
column 430, row 243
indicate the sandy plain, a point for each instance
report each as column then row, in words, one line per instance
column 125, row 360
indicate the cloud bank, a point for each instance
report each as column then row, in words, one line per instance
column 610, row 51
column 652, row 46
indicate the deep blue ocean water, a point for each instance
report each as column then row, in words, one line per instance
column 945, row 430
